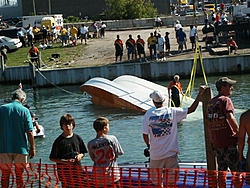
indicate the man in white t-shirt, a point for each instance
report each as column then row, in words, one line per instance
column 84, row 32
column 158, row 23
column 161, row 44
column 159, row 129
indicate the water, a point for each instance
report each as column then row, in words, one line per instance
column 51, row 103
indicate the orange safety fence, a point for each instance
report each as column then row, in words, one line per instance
column 51, row 175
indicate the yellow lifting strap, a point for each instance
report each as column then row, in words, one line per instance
column 197, row 55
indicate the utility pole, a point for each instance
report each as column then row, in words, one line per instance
column 34, row 7
column 49, row 7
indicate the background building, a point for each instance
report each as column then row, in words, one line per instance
column 79, row 8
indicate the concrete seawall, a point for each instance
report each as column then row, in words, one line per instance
column 159, row 70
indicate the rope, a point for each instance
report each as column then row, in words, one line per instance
column 38, row 70
column 193, row 72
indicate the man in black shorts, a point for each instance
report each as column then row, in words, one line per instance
column 140, row 43
column 118, row 48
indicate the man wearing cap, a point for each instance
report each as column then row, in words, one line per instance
column 16, row 126
column 223, row 127
column 159, row 129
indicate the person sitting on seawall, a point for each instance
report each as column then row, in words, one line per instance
column 104, row 150
column 159, row 130
column 67, row 152
column 176, row 88
column 33, row 54
column 231, row 45
column 35, row 123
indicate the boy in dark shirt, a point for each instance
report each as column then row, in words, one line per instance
column 67, row 151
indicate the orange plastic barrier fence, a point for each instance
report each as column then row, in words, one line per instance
column 51, row 175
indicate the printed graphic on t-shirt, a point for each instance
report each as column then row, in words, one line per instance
column 161, row 126
column 217, row 120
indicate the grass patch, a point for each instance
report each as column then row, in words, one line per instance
column 67, row 55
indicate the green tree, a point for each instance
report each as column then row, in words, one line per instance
column 129, row 9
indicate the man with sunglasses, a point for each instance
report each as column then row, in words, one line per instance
column 223, row 127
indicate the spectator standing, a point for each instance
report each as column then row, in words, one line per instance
column 161, row 44
column 177, row 26
column 73, row 34
column 21, row 36
column 140, row 43
column 118, row 48
column 16, row 123
column 68, row 149
column 84, row 32
column 159, row 129
column 152, row 41
column 181, row 37
column 130, row 45
column 103, row 27
column 104, row 150
column 158, row 23
column 4, row 55
column 54, row 31
column 192, row 36
column 30, row 34
column 167, row 43
column 231, row 45
column 213, row 17
column 223, row 127
column 205, row 19
column 64, row 36
column 45, row 34
column 96, row 29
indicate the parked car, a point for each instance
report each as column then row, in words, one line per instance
column 19, row 24
column 10, row 44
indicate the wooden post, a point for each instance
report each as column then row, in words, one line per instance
column 33, row 74
column 211, row 162
column 210, row 154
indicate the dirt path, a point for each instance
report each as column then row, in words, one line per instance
column 101, row 51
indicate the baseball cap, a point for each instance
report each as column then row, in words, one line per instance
column 157, row 96
column 224, row 80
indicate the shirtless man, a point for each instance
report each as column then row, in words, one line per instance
column 243, row 129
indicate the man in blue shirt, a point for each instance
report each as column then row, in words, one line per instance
column 181, row 37
column 16, row 131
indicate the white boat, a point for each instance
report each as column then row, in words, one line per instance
column 125, row 92
column 40, row 134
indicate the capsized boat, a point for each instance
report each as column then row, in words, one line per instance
column 125, row 92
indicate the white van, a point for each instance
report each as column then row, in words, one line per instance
column 36, row 20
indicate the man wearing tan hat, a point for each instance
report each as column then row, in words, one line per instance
column 159, row 129
column 223, row 127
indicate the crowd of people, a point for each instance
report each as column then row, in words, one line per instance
column 159, row 132
column 158, row 44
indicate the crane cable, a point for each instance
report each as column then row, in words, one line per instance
column 193, row 71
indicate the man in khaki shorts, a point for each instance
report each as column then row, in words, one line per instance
column 159, row 129
column 15, row 124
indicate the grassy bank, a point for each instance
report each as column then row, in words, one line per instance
column 68, row 54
